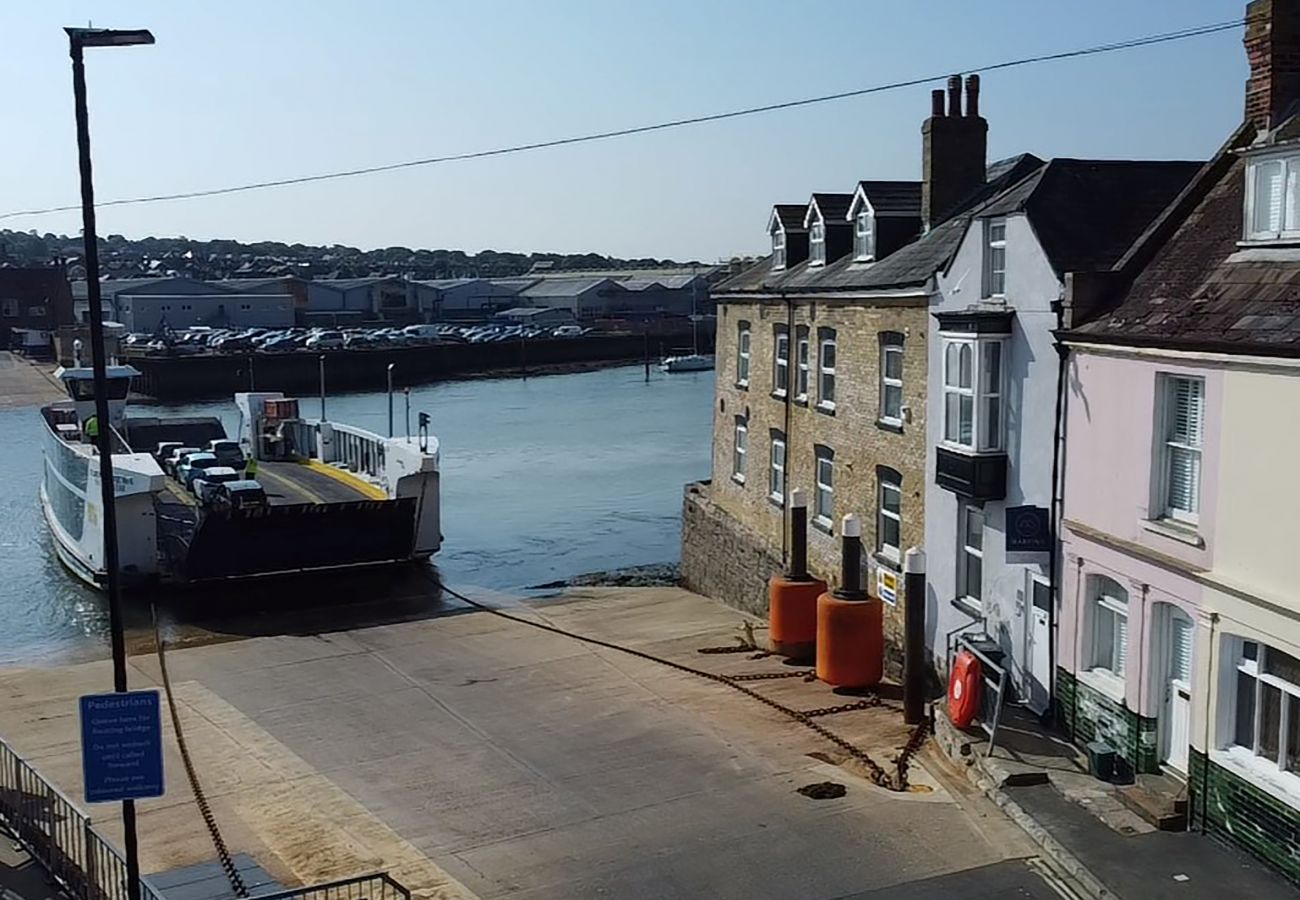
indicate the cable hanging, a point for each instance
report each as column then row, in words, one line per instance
column 1132, row 43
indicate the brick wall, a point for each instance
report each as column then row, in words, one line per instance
column 1231, row 808
column 859, row 444
column 1088, row 715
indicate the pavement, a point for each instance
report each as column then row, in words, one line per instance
column 472, row 756
column 1087, row 830
column 23, row 383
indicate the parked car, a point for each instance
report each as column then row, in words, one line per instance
column 177, row 456
column 245, row 494
column 206, row 482
column 164, row 450
column 567, row 331
column 325, row 340
column 193, row 466
column 227, row 452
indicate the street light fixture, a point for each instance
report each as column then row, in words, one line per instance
column 78, row 40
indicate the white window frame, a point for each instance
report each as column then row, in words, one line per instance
column 864, row 235
column 888, row 481
column 995, row 252
column 1168, row 447
column 776, row 469
column 1253, row 756
column 778, row 248
column 744, row 338
column 826, row 337
column 804, row 359
column 1107, row 653
column 824, row 476
column 780, row 361
column 891, row 344
column 739, row 450
column 1288, row 203
column 966, row 552
column 817, row 244
column 981, row 393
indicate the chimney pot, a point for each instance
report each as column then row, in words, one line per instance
column 936, row 103
column 954, row 95
column 972, row 95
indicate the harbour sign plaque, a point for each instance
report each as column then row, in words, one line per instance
column 121, row 746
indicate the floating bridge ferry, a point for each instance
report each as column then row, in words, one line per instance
column 337, row 496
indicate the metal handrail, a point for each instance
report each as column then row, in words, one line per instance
column 382, row 886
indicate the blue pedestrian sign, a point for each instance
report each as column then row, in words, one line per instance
column 121, row 746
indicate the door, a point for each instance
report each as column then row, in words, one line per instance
column 1178, row 689
column 1039, row 637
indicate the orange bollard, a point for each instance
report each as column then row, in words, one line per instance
column 850, row 625
column 850, row 641
column 792, row 615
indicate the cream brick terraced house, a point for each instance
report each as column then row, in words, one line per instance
column 821, row 371
column 1180, row 637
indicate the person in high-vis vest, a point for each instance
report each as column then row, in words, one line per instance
column 250, row 470
column 91, row 428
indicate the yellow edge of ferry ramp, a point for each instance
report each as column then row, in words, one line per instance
column 373, row 491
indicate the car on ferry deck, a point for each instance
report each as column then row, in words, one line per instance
column 176, row 457
column 228, row 453
column 193, row 467
column 206, row 482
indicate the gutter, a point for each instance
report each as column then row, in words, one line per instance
column 1218, row 353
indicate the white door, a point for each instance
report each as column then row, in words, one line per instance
column 1039, row 638
column 1178, row 690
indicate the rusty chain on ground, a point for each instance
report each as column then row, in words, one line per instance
column 200, row 798
column 875, row 772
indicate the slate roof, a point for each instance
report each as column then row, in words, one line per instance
column 1087, row 213
column 347, row 284
column 1200, row 290
column 910, row 266
column 790, row 215
column 566, row 287
column 834, row 207
column 896, row 198
column 111, row 287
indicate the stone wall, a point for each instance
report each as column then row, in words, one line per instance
column 722, row 559
column 1229, row 807
column 1088, row 715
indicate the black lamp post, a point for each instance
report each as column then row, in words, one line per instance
column 79, row 39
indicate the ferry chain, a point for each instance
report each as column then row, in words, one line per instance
column 897, row 782
column 200, row 798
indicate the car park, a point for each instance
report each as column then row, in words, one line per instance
column 325, row 340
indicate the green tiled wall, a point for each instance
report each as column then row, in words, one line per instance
column 1228, row 807
column 1089, row 716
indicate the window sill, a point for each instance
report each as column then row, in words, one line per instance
column 823, row 524
column 884, row 559
column 739, row 479
column 1285, row 786
column 1287, row 241
column 777, row 501
column 779, row 395
column 887, row 425
column 1104, row 682
column 801, row 399
column 1175, row 531
column 967, row 607
column 742, row 385
column 827, row 408
column 970, row 451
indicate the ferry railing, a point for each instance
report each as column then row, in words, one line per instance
column 81, row 861
column 377, row 886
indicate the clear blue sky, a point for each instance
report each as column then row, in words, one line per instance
column 241, row 91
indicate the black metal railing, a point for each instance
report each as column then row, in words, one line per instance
column 59, row 836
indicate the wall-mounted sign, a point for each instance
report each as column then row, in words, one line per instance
column 887, row 585
column 1029, row 530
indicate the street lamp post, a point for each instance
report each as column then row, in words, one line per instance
column 390, row 399
column 78, row 40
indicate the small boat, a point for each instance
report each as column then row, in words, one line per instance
column 691, row 362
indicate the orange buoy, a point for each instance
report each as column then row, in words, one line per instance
column 792, row 615
column 850, row 641
column 964, row 689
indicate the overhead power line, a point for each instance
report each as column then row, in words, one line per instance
column 1146, row 41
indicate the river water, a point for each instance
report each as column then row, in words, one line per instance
column 542, row 478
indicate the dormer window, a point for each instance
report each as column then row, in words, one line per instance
column 864, row 236
column 817, row 243
column 778, row 248
column 1272, row 210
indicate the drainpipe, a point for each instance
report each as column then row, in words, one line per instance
column 791, row 374
column 1054, row 514
column 1143, row 638
column 1205, row 769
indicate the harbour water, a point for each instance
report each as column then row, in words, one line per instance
column 542, row 479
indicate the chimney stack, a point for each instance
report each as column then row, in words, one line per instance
column 1272, row 42
column 954, row 151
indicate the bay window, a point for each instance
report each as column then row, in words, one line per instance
column 973, row 394
column 1266, row 718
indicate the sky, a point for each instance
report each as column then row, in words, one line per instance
column 243, row 91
